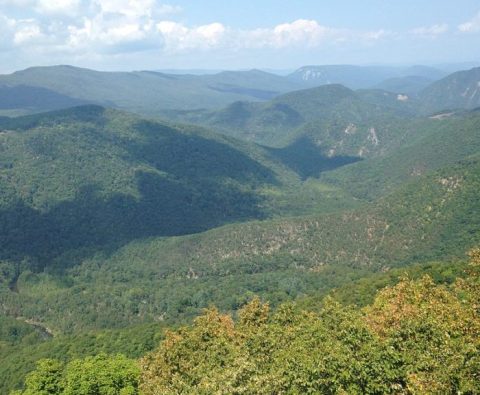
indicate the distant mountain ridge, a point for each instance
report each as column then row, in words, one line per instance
column 149, row 92
column 358, row 77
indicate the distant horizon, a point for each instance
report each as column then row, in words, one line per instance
column 447, row 67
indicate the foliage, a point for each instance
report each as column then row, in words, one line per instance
column 433, row 218
column 99, row 375
column 20, row 357
column 416, row 337
column 106, row 227
column 94, row 179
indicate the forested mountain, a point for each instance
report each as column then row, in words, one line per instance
column 330, row 109
column 150, row 93
column 114, row 227
column 422, row 145
column 433, row 217
column 147, row 92
column 90, row 177
column 456, row 91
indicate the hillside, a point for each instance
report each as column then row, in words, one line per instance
column 147, row 92
column 460, row 90
column 410, row 85
column 433, row 217
column 428, row 144
column 21, row 99
column 114, row 227
column 90, row 179
column 279, row 122
column 88, row 191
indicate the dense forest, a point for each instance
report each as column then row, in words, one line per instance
column 415, row 337
column 287, row 236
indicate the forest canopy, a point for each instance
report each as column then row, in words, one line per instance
column 416, row 337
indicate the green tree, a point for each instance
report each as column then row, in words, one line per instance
column 97, row 375
column 46, row 379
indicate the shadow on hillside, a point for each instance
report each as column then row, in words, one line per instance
column 93, row 223
column 196, row 184
column 193, row 158
column 307, row 160
column 34, row 98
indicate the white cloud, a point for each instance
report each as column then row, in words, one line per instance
column 28, row 33
column 60, row 7
column 297, row 34
column 304, row 32
column 430, row 31
column 89, row 28
column 102, row 34
column 179, row 37
column 471, row 26
column 103, row 26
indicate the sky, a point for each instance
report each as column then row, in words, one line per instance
column 227, row 34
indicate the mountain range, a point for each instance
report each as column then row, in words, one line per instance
column 151, row 93
column 129, row 202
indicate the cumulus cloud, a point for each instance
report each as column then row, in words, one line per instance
column 85, row 26
column 105, row 34
column 430, row 31
column 134, row 25
column 87, row 29
column 471, row 26
column 300, row 33
column 179, row 37
column 60, row 7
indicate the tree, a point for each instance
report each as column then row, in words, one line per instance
column 98, row 375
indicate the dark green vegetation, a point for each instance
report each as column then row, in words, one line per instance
column 114, row 227
column 433, row 217
column 417, row 336
column 93, row 178
column 425, row 145
column 324, row 115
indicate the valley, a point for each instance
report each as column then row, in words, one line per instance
column 127, row 208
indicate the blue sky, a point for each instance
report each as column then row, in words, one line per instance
column 214, row 34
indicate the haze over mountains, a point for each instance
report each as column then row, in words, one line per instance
column 149, row 93
column 131, row 201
